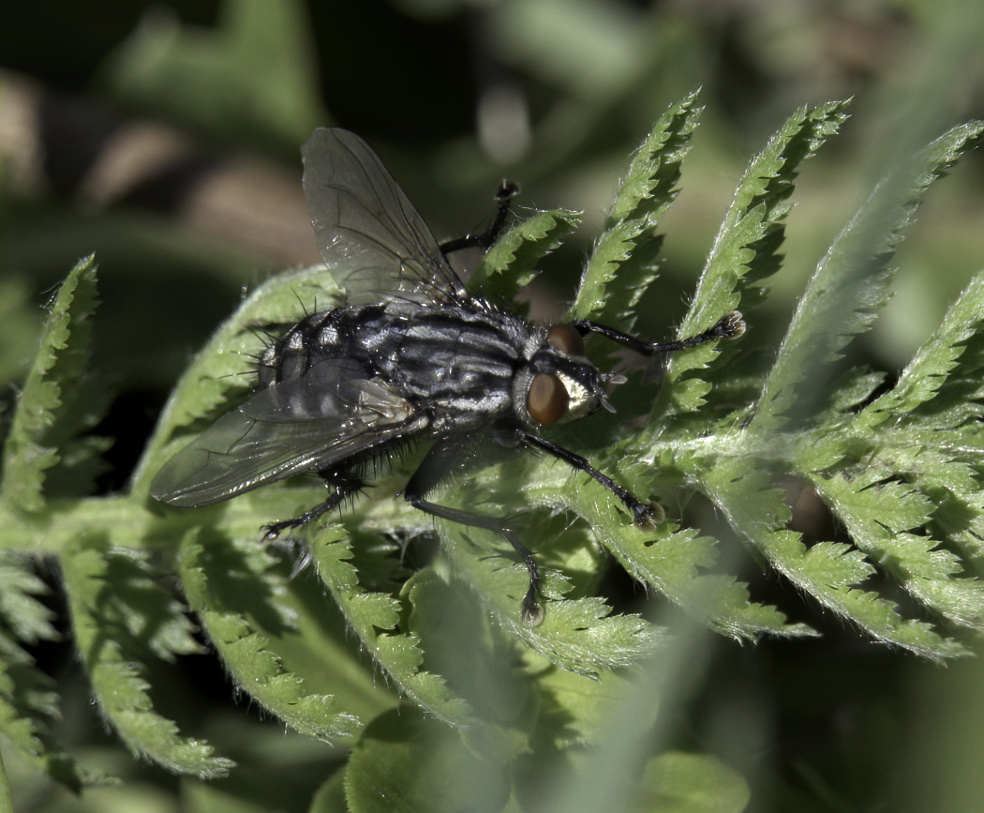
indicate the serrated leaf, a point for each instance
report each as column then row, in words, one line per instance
column 672, row 563
column 732, row 459
column 851, row 283
column 474, row 657
column 901, row 468
column 746, row 249
column 622, row 265
column 877, row 515
column 113, row 660
column 28, row 701
column 937, row 359
column 581, row 634
column 21, row 612
column 375, row 619
column 830, row 572
column 52, row 409
column 243, row 607
column 518, row 251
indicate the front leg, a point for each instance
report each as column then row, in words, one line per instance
column 729, row 326
column 644, row 515
column 452, row 454
column 507, row 191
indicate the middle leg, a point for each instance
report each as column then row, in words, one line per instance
column 446, row 456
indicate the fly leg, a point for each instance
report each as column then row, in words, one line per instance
column 644, row 515
column 446, row 456
column 729, row 326
column 507, row 191
column 345, row 486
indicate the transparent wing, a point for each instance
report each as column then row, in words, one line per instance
column 368, row 232
column 304, row 424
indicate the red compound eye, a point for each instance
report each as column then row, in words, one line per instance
column 548, row 399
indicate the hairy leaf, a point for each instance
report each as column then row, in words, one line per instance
column 117, row 623
column 356, row 628
column 851, row 283
column 511, row 262
column 375, row 618
column 56, row 407
column 745, row 252
column 242, row 607
column 623, row 263
column 28, row 699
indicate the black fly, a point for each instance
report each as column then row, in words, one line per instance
column 411, row 356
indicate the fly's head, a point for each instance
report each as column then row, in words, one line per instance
column 559, row 383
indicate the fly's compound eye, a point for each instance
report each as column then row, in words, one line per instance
column 566, row 339
column 547, row 400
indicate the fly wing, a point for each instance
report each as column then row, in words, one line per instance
column 304, row 424
column 368, row 232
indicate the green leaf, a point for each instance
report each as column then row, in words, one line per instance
column 120, row 618
column 448, row 622
column 510, row 263
column 26, row 618
column 56, row 406
column 375, row 617
column 829, row 572
column 577, row 633
column 244, row 607
column 28, row 700
column 407, row 632
column 677, row 782
column 878, row 516
column 415, row 760
column 940, row 362
column 745, row 252
column 623, row 263
column 851, row 283
column 670, row 561
column 422, row 659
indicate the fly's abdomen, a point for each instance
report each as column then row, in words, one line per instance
column 327, row 335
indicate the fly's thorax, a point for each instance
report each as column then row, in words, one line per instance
column 558, row 383
column 457, row 363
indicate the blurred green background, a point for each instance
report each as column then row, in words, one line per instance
column 165, row 138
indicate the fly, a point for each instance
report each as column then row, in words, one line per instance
column 410, row 357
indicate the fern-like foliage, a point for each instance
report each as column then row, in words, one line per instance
column 359, row 634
